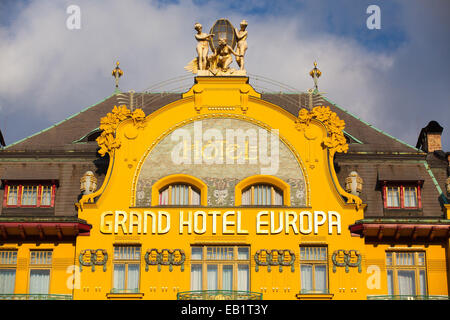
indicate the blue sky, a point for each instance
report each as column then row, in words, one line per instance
column 396, row 78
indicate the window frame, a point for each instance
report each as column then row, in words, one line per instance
column 416, row 267
column 126, row 262
column 284, row 187
column 7, row 265
column 273, row 190
column 191, row 189
column 41, row 266
column 315, row 263
column 235, row 263
column 20, row 189
column 401, row 187
column 162, row 183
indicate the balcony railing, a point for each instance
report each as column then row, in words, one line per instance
column 219, row 295
column 408, row 297
column 35, row 297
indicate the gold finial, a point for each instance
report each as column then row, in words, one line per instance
column 315, row 74
column 117, row 73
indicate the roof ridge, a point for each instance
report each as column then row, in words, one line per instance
column 60, row 122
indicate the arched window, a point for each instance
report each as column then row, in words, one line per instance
column 262, row 195
column 179, row 194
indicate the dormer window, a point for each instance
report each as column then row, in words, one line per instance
column 29, row 195
column 402, row 196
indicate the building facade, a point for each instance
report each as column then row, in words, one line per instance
column 223, row 193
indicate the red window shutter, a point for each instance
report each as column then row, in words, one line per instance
column 53, row 195
column 5, row 196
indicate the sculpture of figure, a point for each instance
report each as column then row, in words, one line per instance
column 221, row 57
column 241, row 36
column 202, row 46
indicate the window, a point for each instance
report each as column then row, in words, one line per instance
column 402, row 196
column 179, row 194
column 29, row 195
column 220, row 268
column 406, row 273
column 313, row 270
column 262, row 194
column 40, row 265
column 8, row 262
column 127, row 260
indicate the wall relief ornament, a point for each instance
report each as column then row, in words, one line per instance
column 108, row 141
column 344, row 258
column 265, row 257
column 164, row 257
column 92, row 258
column 335, row 139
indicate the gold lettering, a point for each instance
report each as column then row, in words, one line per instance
column 151, row 214
column 133, row 222
column 120, row 222
column 260, row 223
column 167, row 227
column 227, row 223
column 187, row 223
column 106, row 226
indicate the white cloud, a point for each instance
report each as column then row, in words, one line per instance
column 55, row 72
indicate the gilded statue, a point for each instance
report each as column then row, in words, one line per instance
column 221, row 59
column 218, row 62
column 202, row 46
column 241, row 36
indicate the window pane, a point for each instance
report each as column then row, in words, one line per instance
column 39, row 281
column 227, row 277
column 46, row 196
column 29, row 196
column 212, row 277
column 164, row 197
column 320, row 277
column 406, row 282
column 243, row 254
column 389, row 258
column 422, row 283
column 306, row 277
column 7, row 281
column 410, row 197
column 243, row 277
column 196, row 277
column 195, row 197
column 278, row 197
column 119, row 276
column 197, row 253
column 8, row 257
column 390, row 279
column 133, row 278
column 393, row 197
column 247, row 197
column 12, row 195
column 421, row 259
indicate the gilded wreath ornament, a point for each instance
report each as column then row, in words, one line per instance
column 346, row 260
column 280, row 261
column 159, row 258
column 108, row 141
column 335, row 139
column 92, row 258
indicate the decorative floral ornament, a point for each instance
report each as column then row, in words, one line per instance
column 335, row 139
column 108, row 141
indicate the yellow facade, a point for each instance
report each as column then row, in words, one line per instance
column 162, row 237
column 313, row 138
